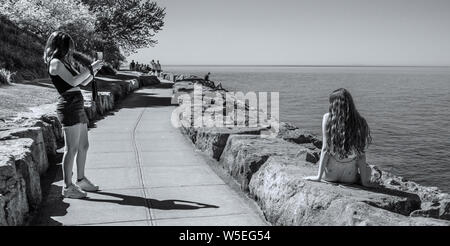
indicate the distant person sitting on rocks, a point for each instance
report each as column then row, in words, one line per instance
column 208, row 82
column 58, row 56
column 345, row 138
column 132, row 65
column 207, row 76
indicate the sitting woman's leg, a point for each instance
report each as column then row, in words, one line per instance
column 365, row 172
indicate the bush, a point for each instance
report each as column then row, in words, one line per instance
column 6, row 77
column 107, row 69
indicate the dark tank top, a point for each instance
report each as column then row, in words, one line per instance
column 60, row 84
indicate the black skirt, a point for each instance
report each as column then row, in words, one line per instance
column 70, row 109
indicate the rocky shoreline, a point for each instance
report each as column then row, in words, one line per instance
column 270, row 170
column 29, row 144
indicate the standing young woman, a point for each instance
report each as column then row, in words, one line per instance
column 345, row 138
column 58, row 55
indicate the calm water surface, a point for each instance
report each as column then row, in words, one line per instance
column 408, row 109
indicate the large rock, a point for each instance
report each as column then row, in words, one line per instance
column 127, row 75
column 105, row 102
column 179, row 89
column 168, row 76
column 287, row 199
column 210, row 121
column 294, row 134
column 119, row 88
column 13, row 199
column 212, row 140
column 183, row 86
column 29, row 161
column 52, row 133
column 245, row 154
column 147, row 80
column 43, row 117
column 22, row 137
column 434, row 203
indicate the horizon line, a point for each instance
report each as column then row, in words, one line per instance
column 247, row 65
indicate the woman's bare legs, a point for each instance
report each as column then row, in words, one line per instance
column 71, row 139
column 83, row 147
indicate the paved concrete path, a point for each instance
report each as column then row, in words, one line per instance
column 149, row 173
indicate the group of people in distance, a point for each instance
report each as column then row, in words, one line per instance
column 154, row 68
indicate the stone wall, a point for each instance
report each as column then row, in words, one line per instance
column 28, row 145
column 271, row 171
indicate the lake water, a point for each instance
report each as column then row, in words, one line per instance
column 407, row 108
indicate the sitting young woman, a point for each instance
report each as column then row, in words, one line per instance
column 346, row 135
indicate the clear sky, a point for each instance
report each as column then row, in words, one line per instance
column 303, row 32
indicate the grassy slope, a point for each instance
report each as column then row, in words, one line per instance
column 20, row 51
column 19, row 97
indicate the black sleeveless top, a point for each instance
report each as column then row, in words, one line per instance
column 60, row 84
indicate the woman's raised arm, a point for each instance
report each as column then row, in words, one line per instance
column 58, row 68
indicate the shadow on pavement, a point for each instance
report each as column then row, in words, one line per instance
column 145, row 100
column 151, row 203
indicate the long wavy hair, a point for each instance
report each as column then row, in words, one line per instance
column 58, row 46
column 346, row 129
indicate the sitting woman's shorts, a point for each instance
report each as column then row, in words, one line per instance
column 70, row 109
column 341, row 171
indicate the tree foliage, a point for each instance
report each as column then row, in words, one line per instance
column 20, row 50
column 42, row 17
column 130, row 24
column 110, row 26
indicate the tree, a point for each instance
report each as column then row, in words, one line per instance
column 130, row 24
column 43, row 17
column 110, row 26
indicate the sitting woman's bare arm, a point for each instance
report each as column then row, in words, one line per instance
column 324, row 154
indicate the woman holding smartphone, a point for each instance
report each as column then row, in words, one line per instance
column 58, row 55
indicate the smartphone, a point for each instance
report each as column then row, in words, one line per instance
column 100, row 56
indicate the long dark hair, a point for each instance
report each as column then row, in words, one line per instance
column 58, row 46
column 346, row 129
